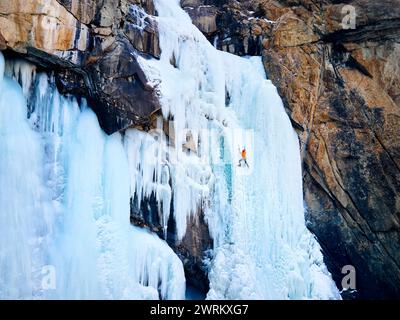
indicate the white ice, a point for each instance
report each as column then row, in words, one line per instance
column 262, row 248
column 65, row 204
column 65, row 186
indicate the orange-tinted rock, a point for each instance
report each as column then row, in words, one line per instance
column 3, row 44
column 41, row 24
column 83, row 10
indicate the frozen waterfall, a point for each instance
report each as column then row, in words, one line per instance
column 66, row 187
column 262, row 249
column 65, row 203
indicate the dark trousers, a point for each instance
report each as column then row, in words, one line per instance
column 245, row 162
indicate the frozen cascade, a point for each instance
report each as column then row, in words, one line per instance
column 64, row 197
column 65, row 186
column 262, row 249
column 270, row 253
column 21, row 203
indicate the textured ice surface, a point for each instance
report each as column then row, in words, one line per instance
column 65, row 204
column 65, row 186
column 262, row 248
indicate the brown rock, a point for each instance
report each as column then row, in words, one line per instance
column 120, row 79
column 193, row 250
column 102, row 31
column 226, row 25
column 3, row 44
column 341, row 90
column 44, row 25
column 204, row 17
column 292, row 31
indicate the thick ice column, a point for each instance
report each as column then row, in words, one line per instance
column 2, row 65
column 22, row 203
column 65, row 204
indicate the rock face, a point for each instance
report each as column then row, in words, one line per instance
column 340, row 86
column 93, row 45
column 193, row 249
column 3, row 45
column 343, row 96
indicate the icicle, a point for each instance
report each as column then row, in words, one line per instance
column 157, row 266
column 65, row 205
column 23, row 72
column 23, row 204
column 139, row 16
column 190, row 61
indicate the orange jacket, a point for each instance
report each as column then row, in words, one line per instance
column 244, row 154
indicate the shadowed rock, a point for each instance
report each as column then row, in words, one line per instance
column 93, row 45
